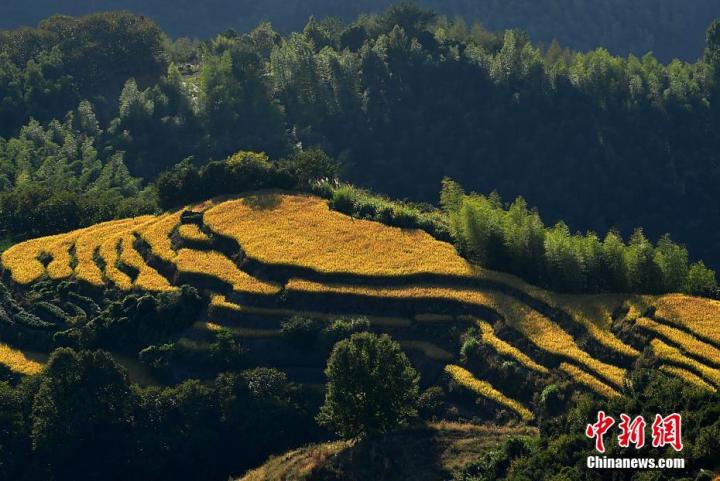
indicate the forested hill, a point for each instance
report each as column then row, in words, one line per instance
column 96, row 108
column 669, row 28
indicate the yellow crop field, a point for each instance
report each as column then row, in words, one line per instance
column 588, row 380
column 157, row 235
column 215, row 264
column 687, row 376
column 17, row 361
column 700, row 316
column 22, row 259
column 594, row 312
column 483, row 388
column 191, row 232
column 488, row 337
column 91, row 240
column 59, row 266
column 673, row 355
column 302, row 231
column 148, row 279
column 109, row 253
column 429, row 349
column 540, row 330
column 688, row 342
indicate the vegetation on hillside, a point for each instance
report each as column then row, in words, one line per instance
column 178, row 208
column 669, row 29
column 613, row 130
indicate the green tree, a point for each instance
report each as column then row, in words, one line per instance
column 701, row 280
column 82, row 416
column 371, row 388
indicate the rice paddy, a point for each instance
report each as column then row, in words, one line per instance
column 483, row 388
column 508, row 350
column 687, row 376
column 699, row 316
column 300, row 238
column 675, row 356
column 588, row 380
column 687, row 342
column 306, row 233
column 192, row 233
column 18, row 361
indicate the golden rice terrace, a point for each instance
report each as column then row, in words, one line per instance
column 264, row 257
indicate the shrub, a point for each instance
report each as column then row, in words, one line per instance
column 266, row 383
column 431, row 404
column 343, row 200
column 344, row 328
column 469, row 348
column 300, row 332
column 552, row 399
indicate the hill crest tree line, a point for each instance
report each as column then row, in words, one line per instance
column 96, row 109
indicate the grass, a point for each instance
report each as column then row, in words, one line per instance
column 429, row 349
column 301, row 463
column 466, row 379
column 687, row 376
column 540, row 330
column 687, row 342
column 422, row 452
column 214, row 264
column 488, row 337
column 192, row 233
column 698, row 315
column 588, row 380
column 19, row 361
column 674, row 356
column 302, row 231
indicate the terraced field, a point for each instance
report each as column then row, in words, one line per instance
column 265, row 257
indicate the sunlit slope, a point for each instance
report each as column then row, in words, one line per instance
column 275, row 255
column 302, row 231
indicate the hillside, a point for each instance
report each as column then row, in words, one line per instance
column 259, row 259
column 424, row 453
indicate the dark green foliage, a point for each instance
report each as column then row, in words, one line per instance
column 301, row 332
column 12, row 313
column 242, row 171
column 514, row 238
column 51, row 311
column 81, row 420
column 139, row 320
column 82, row 416
column 362, row 204
column 372, row 387
column 226, row 350
column 432, row 403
